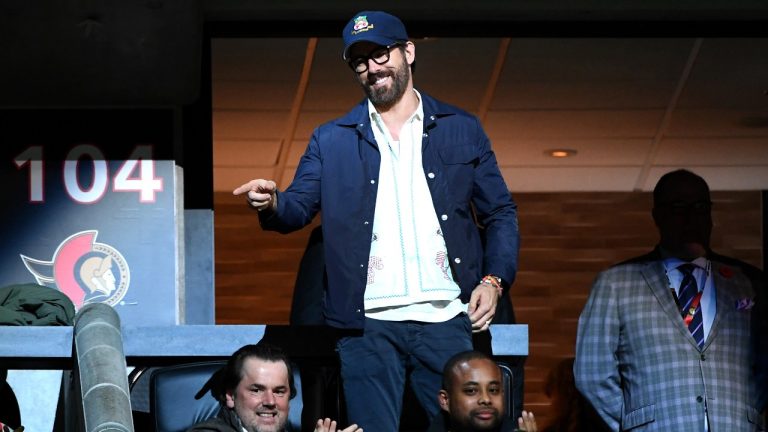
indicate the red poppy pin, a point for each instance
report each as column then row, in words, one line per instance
column 726, row 272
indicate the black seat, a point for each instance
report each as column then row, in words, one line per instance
column 10, row 413
column 175, row 401
column 508, row 379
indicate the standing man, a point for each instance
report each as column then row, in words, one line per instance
column 672, row 340
column 255, row 394
column 402, row 180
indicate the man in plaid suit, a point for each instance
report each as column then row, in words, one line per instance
column 650, row 357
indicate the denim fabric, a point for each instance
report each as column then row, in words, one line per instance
column 374, row 367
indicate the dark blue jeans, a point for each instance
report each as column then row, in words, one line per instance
column 374, row 367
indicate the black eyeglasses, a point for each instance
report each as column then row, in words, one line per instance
column 379, row 56
column 680, row 207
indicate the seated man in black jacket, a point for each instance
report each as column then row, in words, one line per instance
column 255, row 394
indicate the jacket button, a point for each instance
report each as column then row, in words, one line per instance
column 699, row 399
column 362, row 265
column 432, row 118
column 444, row 217
column 365, row 223
column 358, row 311
column 431, row 175
column 425, row 135
column 373, row 181
column 457, row 260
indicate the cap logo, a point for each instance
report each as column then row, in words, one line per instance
column 361, row 25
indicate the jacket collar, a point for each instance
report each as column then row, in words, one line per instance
column 433, row 110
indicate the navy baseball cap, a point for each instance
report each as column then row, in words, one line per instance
column 373, row 26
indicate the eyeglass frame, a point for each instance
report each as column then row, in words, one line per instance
column 680, row 207
column 386, row 50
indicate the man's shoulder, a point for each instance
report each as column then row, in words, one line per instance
column 223, row 422
column 633, row 264
column 644, row 259
column 212, row 425
column 746, row 268
column 439, row 108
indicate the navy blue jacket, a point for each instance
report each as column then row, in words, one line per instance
column 339, row 173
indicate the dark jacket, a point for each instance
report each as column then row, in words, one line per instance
column 340, row 169
column 225, row 421
column 37, row 305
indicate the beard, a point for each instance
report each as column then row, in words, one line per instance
column 249, row 421
column 471, row 423
column 386, row 97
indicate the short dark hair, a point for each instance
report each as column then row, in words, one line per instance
column 233, row 371
column 673, row 176
column 459, row 358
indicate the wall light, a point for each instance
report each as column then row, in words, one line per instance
column 560, row 153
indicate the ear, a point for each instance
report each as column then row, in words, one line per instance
column 443, row 399
column 655, row 212
column 410, row 52
column 230, row 399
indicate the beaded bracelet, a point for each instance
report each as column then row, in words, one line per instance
column 493, row 281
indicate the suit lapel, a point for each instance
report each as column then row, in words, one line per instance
column 656, row 277
column 725, row 296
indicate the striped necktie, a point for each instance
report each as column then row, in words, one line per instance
column 690, row 303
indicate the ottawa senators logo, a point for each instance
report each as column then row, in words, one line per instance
column 85, row 271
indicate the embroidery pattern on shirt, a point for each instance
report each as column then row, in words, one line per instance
column 374, row 263
column 440, row 260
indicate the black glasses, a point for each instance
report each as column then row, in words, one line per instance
column 679, row 207
column 379, row 56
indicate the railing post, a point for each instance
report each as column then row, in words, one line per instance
column 100, row 371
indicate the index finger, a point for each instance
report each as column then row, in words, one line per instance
column 258, row 185
column 242, row 189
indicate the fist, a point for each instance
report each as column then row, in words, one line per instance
column 260, row 193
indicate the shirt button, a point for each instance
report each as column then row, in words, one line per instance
column 699, row 399
column 457, row 260
column 373, row 181
column 444, row 217
column 431, row 175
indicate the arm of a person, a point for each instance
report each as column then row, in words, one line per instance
column 760, row 340
column 297, row 205
column 596, row 366
column 497, row 213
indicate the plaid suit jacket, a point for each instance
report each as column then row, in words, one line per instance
column 640, row 367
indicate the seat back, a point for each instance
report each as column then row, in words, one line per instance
column 507, row 378
column 172, row 392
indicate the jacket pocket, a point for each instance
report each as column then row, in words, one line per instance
column 461, row 154
column 638, row 417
